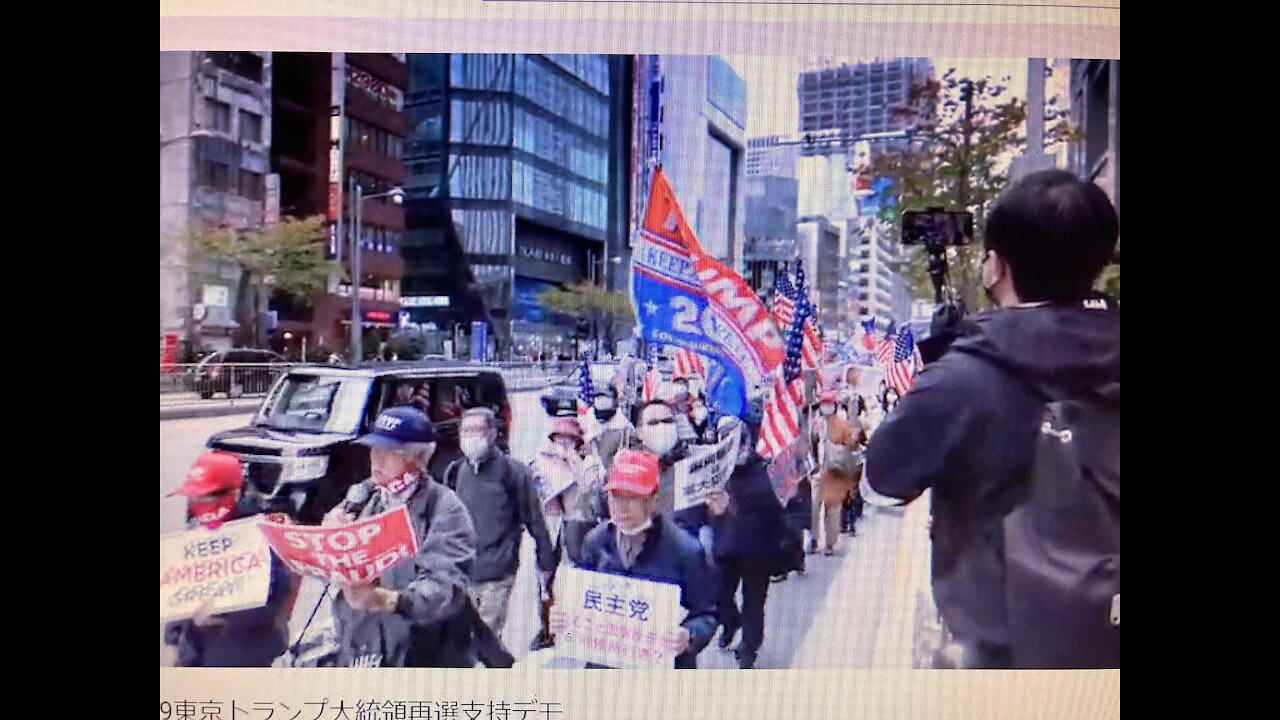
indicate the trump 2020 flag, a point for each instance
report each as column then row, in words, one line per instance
column 686, row 298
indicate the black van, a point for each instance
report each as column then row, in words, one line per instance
column 298, row 450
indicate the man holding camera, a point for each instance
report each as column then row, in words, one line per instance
column 968, row 428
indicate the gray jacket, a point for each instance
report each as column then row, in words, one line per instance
column 431, row 626
column 501, row 499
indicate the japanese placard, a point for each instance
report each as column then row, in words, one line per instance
column 705, row 471
column 617, row 621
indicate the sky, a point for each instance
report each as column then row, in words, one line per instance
column 771, row 84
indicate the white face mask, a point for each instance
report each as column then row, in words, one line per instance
column 699, row 414
column 660, row 439
column 828, row 410
column 632, row 532
column 473, row 447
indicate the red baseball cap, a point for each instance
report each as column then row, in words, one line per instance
column 213, row 471
column 635, row 473
column 828, row 397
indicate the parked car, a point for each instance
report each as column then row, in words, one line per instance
column 299, row 450
column 220, row 372
column 561, row 400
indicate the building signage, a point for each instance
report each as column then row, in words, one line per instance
column 425, row 301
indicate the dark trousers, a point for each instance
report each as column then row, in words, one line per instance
column 754, row 579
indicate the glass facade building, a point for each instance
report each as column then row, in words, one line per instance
column 509, row 162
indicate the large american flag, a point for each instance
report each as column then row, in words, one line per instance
column 901, row 361
column 690, row 364
column 785, row 396
column 784, row 300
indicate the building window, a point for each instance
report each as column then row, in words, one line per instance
column 245, row 64
column 250, row 126
column 215, row 175
column 250, row 185
column 217, row 115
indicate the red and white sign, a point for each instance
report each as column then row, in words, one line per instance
column 345, row 555
column 230, row 565
column 617, row 621
column 168, row 350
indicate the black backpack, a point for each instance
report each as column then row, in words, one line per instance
column 1062, row 545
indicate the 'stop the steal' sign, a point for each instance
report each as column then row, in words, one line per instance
column 705, row 472
column 230, row 566
column 345, row 555
column 617, row 621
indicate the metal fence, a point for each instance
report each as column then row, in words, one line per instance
column 192, row 381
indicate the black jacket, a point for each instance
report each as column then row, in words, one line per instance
column 669, row 555
column 502, row 501
column 753, row 529
column 967, row 430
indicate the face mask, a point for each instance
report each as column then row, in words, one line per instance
column 828, row 410
column 604, row 403
column 474, row 448
column 213, row 513
column 660, row 439
column 699, row 415
column 632, row 532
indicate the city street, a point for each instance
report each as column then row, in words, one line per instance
column 852, row 610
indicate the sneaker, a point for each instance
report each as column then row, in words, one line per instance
column 829, row 551
column 542, row 642
column 813, row 547
column 778, row 578
column 746, row 661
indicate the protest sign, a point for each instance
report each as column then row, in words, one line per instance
column 231, row 565
column 705, row 471
column 344, row 555
column 617, row 621
column 551, row 476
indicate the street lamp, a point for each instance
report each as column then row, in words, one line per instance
column 199, row 133
column 357, row 321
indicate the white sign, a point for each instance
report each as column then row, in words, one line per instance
column 216, row 295
column 271, row 198
column 424, row 301
column 617, row 621
column 231, row 565
column 705, row 472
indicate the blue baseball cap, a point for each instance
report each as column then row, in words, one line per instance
column 400, row 426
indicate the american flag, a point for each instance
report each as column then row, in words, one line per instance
column 690, row 364
column 586, row 392
column 901, row 367
column 811, row 349
column 784, row 300
column 652, row 378
column 781, row 425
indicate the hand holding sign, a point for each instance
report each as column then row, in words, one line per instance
column 347, row 554
column 718, row 503
column 677, row 641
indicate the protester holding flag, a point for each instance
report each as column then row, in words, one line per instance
column 616, row 431
column 641, row 541
column 417, row 613
column 246, row 638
